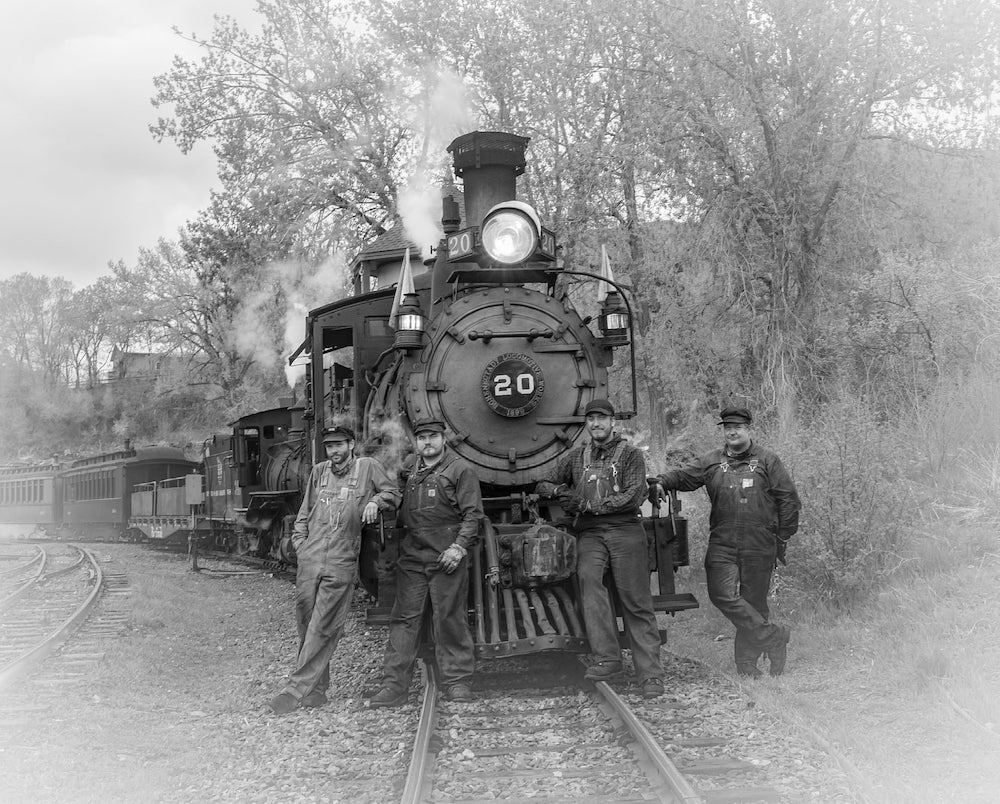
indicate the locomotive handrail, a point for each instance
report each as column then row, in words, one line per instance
column 530, row 334
column 631, row 331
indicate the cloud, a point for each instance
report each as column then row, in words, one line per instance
column 85, row 183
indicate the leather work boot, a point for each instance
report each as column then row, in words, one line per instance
column 313, row 699
column 603, row 671
column 460, row 693
column 778, row 652
column 748, row 670
column 652, row 688
column 388, row 697
column 283, row 703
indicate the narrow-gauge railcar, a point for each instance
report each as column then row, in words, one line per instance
column 486, row 341
column 97, row 491
column 166, row 511
column 253, row 482
column 30, row 501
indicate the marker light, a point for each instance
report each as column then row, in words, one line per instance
column 410, row 324
column 614, row 321
column 510, row 232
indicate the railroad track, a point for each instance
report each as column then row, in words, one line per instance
column 558, row 740
column 56, row 616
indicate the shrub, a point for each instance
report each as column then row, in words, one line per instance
column 857, row 506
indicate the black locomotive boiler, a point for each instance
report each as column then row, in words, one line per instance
column 481, row 338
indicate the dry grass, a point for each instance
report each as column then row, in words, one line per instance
column 905, row 688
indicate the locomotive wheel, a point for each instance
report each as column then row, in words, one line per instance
column 242, row 545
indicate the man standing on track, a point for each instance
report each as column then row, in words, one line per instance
column 755, row 511
column 343, row 493
column 441, row 511
column 603, row 483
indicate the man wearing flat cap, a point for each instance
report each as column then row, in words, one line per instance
column 755, row 511
column 441, row 512
column 602, row 483
column 343, row 493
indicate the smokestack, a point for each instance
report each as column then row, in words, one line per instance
column 489, row 163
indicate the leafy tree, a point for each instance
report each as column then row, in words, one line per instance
column 311, row 146
column 33, row 313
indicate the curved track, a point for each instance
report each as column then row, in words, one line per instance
column 43, row 605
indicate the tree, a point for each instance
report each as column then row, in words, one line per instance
column 33, row 313
column 785, row 106
column 306, row 126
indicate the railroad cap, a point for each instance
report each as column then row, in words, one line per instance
column 735, row 416
column 428, row 426
column 599, row 406
column 338, row 433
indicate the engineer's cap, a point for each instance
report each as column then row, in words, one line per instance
column 428, row 426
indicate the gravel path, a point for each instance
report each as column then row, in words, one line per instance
column 176, row 709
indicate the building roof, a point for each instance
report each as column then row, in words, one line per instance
column 394, row 242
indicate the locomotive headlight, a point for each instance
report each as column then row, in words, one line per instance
column 510, row 232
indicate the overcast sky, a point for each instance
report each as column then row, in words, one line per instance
column 84, row 182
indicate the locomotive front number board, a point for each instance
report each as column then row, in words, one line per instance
column 513, row 384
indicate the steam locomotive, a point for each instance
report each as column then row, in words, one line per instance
column 485, row 340
column 482, row 337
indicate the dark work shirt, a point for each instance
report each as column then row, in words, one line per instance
column 441, row 504
column 754, row 500
column 623, row 504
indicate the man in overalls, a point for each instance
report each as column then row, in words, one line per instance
column 755, row 511
column 603, row 484
column 343, row 493
column 441, row 511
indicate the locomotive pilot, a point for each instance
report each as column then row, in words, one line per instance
column 755, row 511
column 343, row 493
column 603, row 483
column 441, row 512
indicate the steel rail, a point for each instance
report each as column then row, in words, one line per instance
column 417, row 776
column 679, row 787
column 41, row 558
column 48, row 645
column 16, row 570
column 80, row 559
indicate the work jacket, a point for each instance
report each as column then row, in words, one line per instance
column 616, row 458
column 327, row 533
column 441, row 505
column 754, row 501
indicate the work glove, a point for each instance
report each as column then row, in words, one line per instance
column 452, row 557
column 567, row 500
column 780, row 555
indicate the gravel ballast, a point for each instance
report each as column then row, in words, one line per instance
column 176, row 710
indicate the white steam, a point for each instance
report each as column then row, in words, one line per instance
column 278, row 305
column 419, row 204
column 445, row 115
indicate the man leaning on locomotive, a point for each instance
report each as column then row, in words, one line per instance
column 755, row 511
column 441, row 510
column 602, row 484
